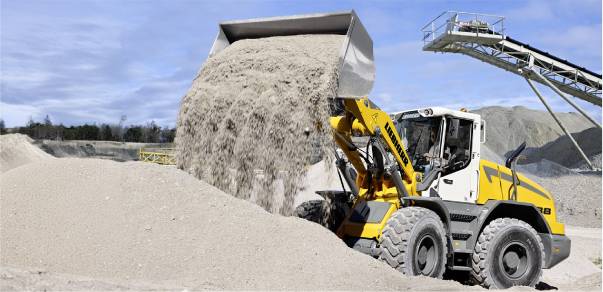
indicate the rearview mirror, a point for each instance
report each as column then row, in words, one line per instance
column 453, row 129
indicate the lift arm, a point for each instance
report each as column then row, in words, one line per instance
column 363, row 118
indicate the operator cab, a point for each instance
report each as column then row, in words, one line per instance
column 439, row 138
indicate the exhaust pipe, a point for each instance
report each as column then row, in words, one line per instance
column 356, row 61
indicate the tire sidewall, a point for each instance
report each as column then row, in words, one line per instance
column 505, row 237
column 427, row 225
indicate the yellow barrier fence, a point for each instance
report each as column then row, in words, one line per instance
column 158, row 155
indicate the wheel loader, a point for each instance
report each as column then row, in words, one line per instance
column 416, row 192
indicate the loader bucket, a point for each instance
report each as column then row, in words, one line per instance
column 356, row 63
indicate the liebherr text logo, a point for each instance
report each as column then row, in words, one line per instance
column 391, row 135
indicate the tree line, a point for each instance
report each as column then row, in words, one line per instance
column 147, row 133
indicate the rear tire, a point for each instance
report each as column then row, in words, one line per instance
column 328, row 214
column 414, row 242
column 508, row 253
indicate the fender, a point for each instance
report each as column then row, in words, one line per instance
column 523, row 211
column 437, row 205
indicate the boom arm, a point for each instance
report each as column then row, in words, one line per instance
column 363, row 118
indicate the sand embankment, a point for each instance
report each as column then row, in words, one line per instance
column 17, row 150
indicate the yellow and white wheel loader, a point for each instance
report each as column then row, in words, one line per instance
column 419, row 195
column 425, row 202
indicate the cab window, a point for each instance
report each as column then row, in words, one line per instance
column 457, row 144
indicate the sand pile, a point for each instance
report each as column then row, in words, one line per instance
column 594, row 159
column 487, row 154
column 144, row 222
column 563, row 152
column 508, row 127
column 256, row 113
column 16, row 150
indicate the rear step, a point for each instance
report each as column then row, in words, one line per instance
column 461, row 260
column 462, row 235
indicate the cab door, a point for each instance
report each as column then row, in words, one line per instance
column 458, row 180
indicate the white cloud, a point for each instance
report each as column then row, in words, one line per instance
column 25, row 78
column 18, row 114
column 532, row 10
column 582, row 42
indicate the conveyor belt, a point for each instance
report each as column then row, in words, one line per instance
column 483, row 37
column 547, row 54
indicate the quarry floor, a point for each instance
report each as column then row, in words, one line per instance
column 94, row 224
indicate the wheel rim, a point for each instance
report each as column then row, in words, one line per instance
column 426, row 255
column 514, row 260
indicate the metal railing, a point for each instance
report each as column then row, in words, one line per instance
column 463, row 22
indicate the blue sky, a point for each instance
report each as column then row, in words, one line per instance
column 93, row 61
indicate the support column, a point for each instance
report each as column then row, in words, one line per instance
column 567, row 133
column 552, row 86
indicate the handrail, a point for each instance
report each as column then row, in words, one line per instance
column 495, row 23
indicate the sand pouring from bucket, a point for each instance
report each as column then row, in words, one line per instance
column 357, row 67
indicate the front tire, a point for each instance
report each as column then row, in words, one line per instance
column 508, row 253
column 414, row 242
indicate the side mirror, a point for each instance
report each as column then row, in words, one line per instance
column 482, row 132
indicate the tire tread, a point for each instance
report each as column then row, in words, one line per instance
column 397, row 235
column 480, row 272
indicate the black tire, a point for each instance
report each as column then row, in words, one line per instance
column 414, row 242
column 328, row 214
column 508, row 253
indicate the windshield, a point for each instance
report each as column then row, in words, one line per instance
column 420, row 137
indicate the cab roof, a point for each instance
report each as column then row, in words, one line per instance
column 437, row 112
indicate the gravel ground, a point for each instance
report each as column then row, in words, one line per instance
column 582, row 270
column 577, row 198
column 14, row 279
